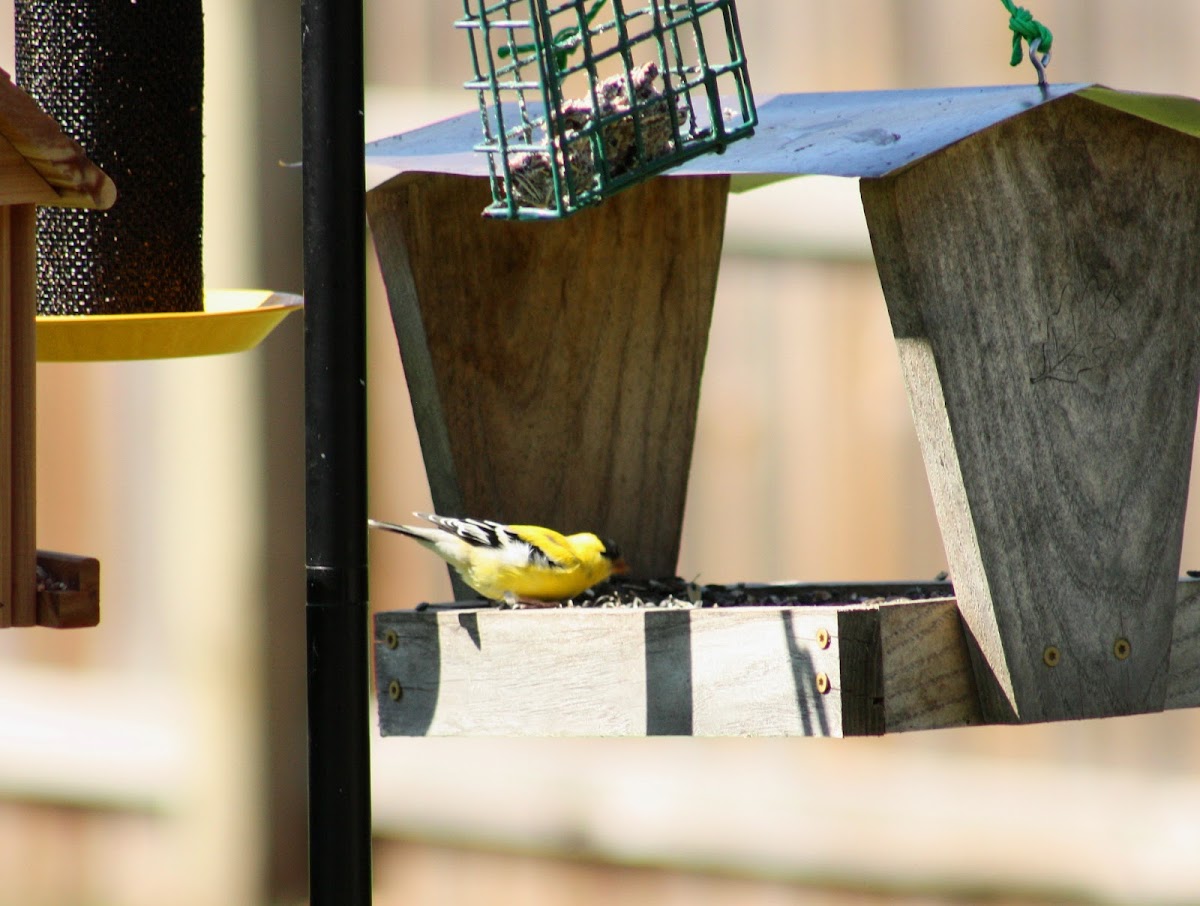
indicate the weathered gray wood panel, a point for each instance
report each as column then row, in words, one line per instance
column 746, row 671
column 609, row 672
column 1043, row 281
column 1183, row 680
column 754, row 673
column 709, row 672
column 926, row 682
column 554, row 367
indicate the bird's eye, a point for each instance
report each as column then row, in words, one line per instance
column 610, row 549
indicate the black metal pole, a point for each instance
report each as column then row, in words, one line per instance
column 339, row 810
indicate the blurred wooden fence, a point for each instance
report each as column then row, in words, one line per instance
column 806, row 467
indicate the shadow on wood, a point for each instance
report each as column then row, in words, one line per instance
column 668, row 645
column 412, row 688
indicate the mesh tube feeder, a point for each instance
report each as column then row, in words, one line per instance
column 125, row 81
column 579, row 100
column 100, row 70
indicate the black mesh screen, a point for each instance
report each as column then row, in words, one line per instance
column 124, row 78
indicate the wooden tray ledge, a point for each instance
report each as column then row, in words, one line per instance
column 845, row 670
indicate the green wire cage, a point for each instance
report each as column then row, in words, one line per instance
column 582, row 99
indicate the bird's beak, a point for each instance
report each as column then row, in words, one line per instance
column 620, row 567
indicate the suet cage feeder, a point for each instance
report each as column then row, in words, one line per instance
column 583, row 98
column 1039, row 254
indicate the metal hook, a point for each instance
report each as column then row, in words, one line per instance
column 1039, row 64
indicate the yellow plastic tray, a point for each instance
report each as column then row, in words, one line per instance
column 232, row 321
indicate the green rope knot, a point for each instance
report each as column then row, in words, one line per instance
column 1024, row 26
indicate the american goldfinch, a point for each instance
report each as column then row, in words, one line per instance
column 516, row 563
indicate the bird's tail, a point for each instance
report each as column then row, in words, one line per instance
column 413, row 531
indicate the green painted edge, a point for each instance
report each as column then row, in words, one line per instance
column 1173, row 111
column 744, row 182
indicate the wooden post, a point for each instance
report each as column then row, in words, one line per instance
column 7, row 421
column 1043, row 282
column 554, row 366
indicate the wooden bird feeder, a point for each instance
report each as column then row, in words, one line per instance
column 1039, row 252
column 39, row 165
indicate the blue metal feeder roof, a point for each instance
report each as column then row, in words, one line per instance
column 853, row 133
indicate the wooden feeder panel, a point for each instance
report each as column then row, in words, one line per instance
column 558, row 337
column 1042, row 279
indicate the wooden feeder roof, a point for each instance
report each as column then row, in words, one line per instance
column 853, row 134
column 39, row 163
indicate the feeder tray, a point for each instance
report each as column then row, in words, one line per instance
column 232, row 321
column 1039, row 254
column 563, row 130
column 894, row 660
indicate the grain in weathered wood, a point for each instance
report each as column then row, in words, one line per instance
column 23, row 299
column 20, row 183
column 926, row 678
column 1183, row 680
column 608, row 672
column 1042, row 281
column 497, row 673
column 7, row 421
column 56, row 158
column 554, row 367
column 860, row 670
column 745, row 671
column 754, row 672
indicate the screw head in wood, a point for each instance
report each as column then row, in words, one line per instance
column 391, row 638
column 822, row 683
column 395, row 690
column 1122, row 649
column 1051, row 656
column 823, row 638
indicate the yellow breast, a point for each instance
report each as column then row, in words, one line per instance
column 533, row 582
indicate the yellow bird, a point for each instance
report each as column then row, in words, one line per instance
column 516, row 563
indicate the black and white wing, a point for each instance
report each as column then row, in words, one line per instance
column 517, row 550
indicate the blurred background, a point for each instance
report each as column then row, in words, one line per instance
column 160, row 758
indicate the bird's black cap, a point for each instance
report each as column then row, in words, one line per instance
column 610, row 549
